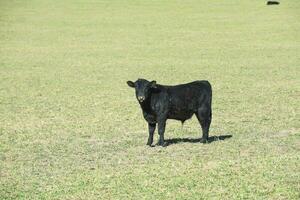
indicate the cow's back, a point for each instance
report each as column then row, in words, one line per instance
column 190, row 91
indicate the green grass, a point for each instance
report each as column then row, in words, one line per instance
column 70, row 127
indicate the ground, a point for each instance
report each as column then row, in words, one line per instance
column 71, row 128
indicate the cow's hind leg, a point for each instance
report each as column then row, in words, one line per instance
column 204, row 117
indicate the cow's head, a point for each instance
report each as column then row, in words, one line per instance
column 142, row 88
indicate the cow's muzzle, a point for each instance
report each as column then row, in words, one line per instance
column 141, row 98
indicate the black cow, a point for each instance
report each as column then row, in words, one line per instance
column 272, row 3
column 179, row 102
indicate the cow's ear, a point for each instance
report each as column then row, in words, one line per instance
column 130, row 84
column 153, row 84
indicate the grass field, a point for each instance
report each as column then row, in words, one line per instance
column 70, row 127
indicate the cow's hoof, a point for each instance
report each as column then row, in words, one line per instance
column 149, row 143
column 163, row 144
column 204, row 141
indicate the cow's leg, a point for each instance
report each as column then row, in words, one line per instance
column 204, row 118
column 161, row 132
column 151, row 132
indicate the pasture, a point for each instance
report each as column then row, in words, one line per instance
column 71, row 128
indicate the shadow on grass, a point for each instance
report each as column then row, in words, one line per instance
column 196, row 140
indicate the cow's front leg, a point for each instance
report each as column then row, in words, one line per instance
column 151, row 132
column 161, row 132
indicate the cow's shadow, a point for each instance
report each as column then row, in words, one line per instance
column 196, row 140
